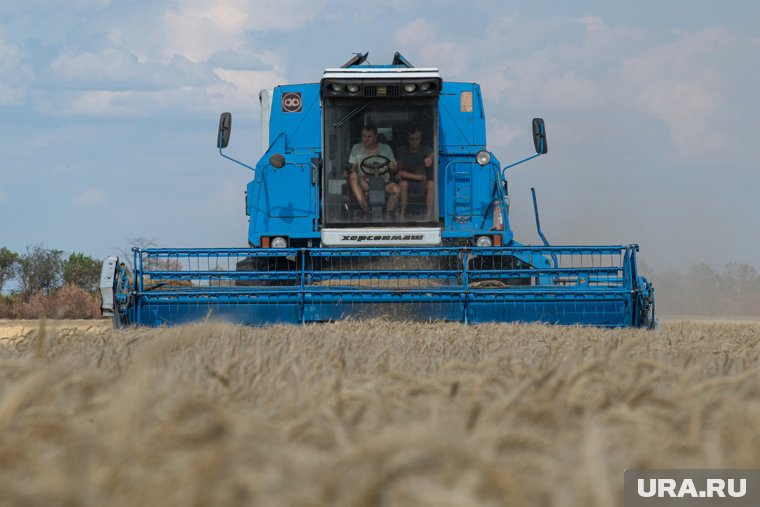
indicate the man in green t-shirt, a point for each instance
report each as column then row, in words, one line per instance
column 369, row 147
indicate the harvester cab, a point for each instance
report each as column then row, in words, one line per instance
column 423, row 178
column 376, row 196
column 379, row 106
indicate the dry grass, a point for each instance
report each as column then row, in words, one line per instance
column 17, row 329
column 369, row 413
column 67, row 302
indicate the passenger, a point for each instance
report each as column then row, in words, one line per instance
column 358, row 181
column 415, row 168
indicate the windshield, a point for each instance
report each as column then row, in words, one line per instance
column 380, row 162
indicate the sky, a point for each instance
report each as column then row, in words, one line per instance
column 109, row 110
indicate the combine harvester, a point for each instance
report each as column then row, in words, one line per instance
column 318, row 253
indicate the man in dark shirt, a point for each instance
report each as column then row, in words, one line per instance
column 415, row 168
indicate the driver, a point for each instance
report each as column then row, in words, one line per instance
column 369, row 147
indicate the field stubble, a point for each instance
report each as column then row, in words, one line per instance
column 368, row 413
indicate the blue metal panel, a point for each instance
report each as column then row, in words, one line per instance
column 470, row 190
column 288, row 192
column 462, row 120
column 249, row 309
column 467, row 188
column 597, row 308
column 302, row 128
column 283, row 202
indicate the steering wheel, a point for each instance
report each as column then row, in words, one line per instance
column 371, row 166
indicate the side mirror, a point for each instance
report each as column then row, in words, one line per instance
column 539, row 136
column 225, row 126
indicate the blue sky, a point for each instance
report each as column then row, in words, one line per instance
column 108, row 113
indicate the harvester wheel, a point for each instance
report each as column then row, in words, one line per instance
column 649, row 317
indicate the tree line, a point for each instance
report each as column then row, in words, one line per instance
column 41, row 269
column 49, row 283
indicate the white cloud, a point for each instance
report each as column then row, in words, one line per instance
column 90, row 198
column 568, row 76
column 108, row 64
column 230, row 88
column 565, row 91
column 71, row 5
column 86, row 4
column 102, row 103
column 234, row 89
column 11, row 96
column 13, row 73
column 123, row 75
column 196, row 29
column 586, row 65
column 242, row 86
column 504, row 132
column 682, row 84
column 429, row 46
column 593, row 23
column 34, row 7
column 117, row 69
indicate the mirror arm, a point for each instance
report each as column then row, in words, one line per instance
column 230, row 158
column 520, row 162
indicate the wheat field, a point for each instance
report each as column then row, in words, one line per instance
column 367, row 413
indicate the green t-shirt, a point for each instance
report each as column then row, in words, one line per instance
column 359, row 153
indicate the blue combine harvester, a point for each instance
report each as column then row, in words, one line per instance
column 377, row 197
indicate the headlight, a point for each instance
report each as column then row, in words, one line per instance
column 483, row 157
column 352, row 88
column 336, row 87
column 483, row 241
column 410, row 87
column 279, row 242
column 425, row 86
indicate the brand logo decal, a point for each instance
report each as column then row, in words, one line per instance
column 399, row 237
column 291, row 102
